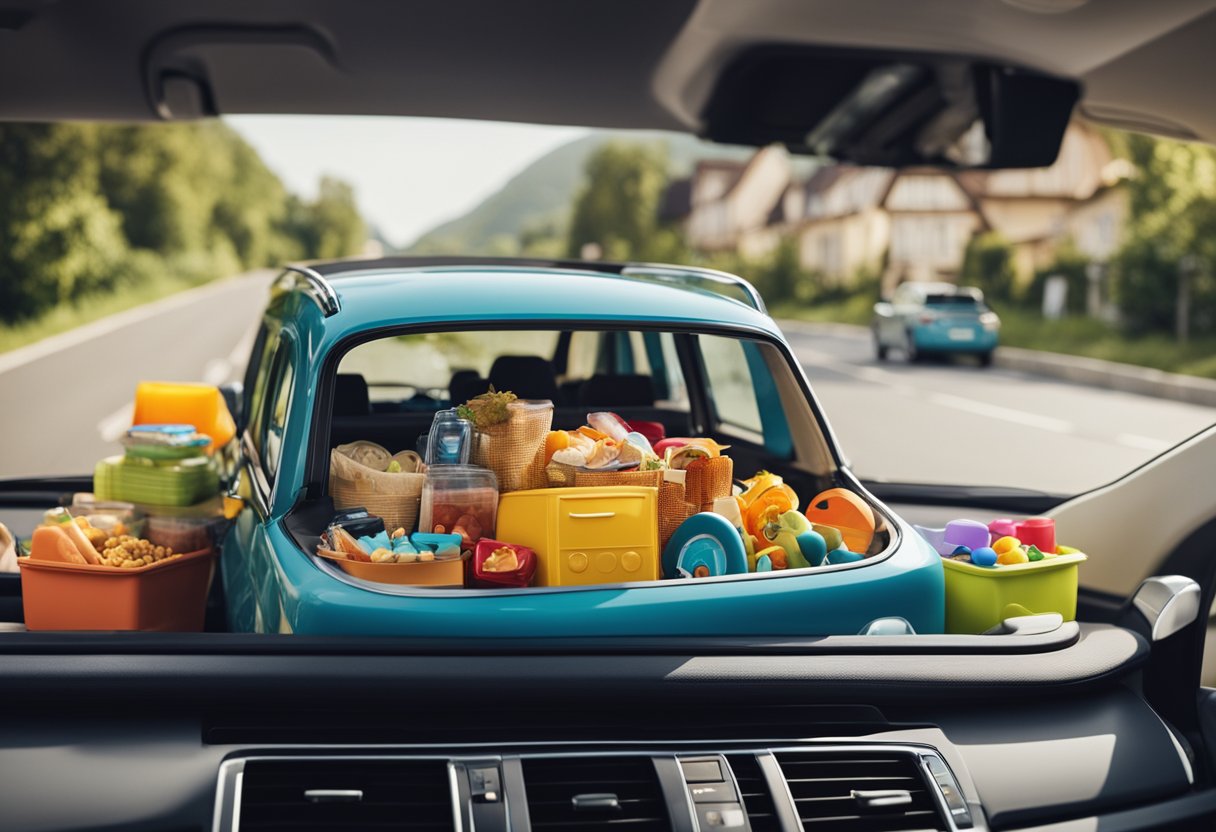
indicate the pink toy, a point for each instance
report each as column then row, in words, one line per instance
column 1003, row 527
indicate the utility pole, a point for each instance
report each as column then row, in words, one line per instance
column 1187, row 267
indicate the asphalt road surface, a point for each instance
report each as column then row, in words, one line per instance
column 955, row 422
column 67, row 399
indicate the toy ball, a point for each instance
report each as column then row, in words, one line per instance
column 846, row 511
column 1013, row 556
column 1006, row 544
column 960, row 550
column 983, row 556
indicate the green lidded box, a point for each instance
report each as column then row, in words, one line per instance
column 165, row 482
column 980, row 597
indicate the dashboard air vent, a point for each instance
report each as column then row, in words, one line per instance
column 594, row 794
column 863, row 791
column 753, row 788
column 345, row 796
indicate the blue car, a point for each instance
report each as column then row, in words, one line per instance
column 369, row 351
column 935, row 318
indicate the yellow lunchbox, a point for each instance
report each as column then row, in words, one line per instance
column 980, row 597
column 582, row 536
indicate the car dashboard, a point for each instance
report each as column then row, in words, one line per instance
column 221, row 732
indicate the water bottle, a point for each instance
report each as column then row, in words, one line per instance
column 450, row 439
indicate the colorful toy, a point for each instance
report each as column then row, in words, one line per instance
column 1006, row 544
column 831, row 536
column 968, row 534
column 442, row 545
column 846, row 511
column 1001, row 527
column 760, row 492
column 705, row 545
column 838, row 556
column 983, row 556
column 792, row 531
column 1012, row 555
column 1038, row 531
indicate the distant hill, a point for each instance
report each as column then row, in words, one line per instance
column 543, row 192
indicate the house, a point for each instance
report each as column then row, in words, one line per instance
column 728, row 199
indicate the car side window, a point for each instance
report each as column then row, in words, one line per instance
column 731, row 388
column 278, row 399
column 259, row 379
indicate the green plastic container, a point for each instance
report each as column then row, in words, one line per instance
column 978, row 598
column 167, row 482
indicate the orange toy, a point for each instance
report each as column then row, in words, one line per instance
column 846, row 511
column 782, row 497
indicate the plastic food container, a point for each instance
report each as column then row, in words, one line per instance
column 186, row 528
column 173, row 482
column 170, row 596
column 436, row 573
column 978, row 598
column 201, row 405
column 496, row 580
column 463, row 499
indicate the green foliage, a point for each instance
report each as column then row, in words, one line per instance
column 988, row 264
column 617, row 209
column 87, row 209
column 1172, row 216
column 1071, row 265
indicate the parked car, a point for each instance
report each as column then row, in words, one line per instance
column 688, row 349
column 935, row 318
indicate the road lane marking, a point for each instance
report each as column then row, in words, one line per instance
column 104, row 326
column 1008, row 414
column 1143, row 443
column 115, row 425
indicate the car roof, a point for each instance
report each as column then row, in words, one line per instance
column 362, row 294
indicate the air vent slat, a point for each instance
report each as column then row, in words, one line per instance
column 822, row 785
column 396, row 795
column 753, row 787
column 552, row 785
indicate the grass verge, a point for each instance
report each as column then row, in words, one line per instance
column 91, row 308
column 1071, row 336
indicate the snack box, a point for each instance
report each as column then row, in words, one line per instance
column 173, row 482
column 979, row 598
column 436, row 573
column 170, row 596
column 519, row 577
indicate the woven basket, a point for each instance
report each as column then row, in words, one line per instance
column 707, row 480
column 392, row 497
column 645, row 479
column 673, row 510
column 510, row 449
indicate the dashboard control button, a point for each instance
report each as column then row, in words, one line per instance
column 712, row 792
column 702, row 771
column 484, row 785
column 723, row 816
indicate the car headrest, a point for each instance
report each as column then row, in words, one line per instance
column 350, row 395
column 466, row 384
column 527, row 376
column 617, row 391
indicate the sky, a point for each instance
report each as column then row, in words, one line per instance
column 409, row 174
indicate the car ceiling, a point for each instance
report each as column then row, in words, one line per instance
column 603, row 63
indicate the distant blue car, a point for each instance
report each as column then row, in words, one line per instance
column 923, row 318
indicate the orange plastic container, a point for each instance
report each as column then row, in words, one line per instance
column 169, row 596
column 182, row 403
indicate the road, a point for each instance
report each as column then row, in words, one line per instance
column 959, row 423
column 67, row 400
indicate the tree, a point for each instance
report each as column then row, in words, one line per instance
column 617, row 208
column 1172, row 215
column 988, row 264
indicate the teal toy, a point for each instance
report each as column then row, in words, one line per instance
column 793, row 532
column 381, row 540
column 831, row 535
column 705, row 545
column 838, row 556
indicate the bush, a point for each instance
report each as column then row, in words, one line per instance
column 1070, row 264
column 988, row 265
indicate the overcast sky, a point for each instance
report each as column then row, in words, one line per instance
column 409, row 173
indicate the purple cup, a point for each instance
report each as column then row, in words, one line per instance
column 970, row 533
